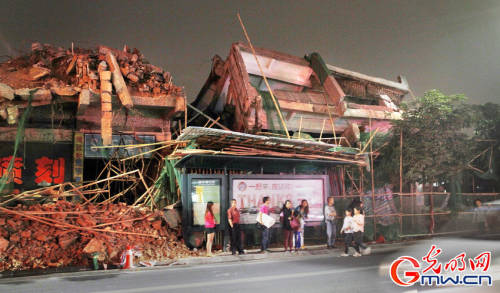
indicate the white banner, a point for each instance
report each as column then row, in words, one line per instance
column 249, row 194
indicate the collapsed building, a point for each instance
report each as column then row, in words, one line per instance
column 70, row 101
column 313, row 96
column 68, row 119
column 326, row 108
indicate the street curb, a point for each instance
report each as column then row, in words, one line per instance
column 223, row 257
column 275, row 253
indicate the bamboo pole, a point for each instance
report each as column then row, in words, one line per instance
column 372, row 171
column 353, row 182
column 369, row 141
column 300, row 126
column 401, row 182
column 264, row 77
column 185, row 112
column 208, row 117
column 331, row 119
column 361, row 184
column 322, row 128
column 206, row 124
column 144, row 153
column 58, row 224
column 102, row 180
column 212, row 124
column 111, row 199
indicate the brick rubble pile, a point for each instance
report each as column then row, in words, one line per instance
column 67, row 234
column 55, row 67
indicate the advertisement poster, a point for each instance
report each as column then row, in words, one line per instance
column 249, row 193
column 203, row 191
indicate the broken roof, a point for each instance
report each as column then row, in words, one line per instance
column 224, row 142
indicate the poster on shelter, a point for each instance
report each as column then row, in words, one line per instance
column 249, row 193
column 203, row 191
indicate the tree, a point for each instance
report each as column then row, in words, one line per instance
column 435, row 146
column 486, row 125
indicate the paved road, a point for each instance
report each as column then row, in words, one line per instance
column 316, row 273
column 312, row 273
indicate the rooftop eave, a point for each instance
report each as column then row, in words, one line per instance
column 402, row 86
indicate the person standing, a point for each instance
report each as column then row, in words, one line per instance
column 358, row 229
column 479, row 217
column 233, row 217
column 301, row 213
column 347, row 230
column 210, row 226
column 331, row 224
column 266, row 232
column 287, row 227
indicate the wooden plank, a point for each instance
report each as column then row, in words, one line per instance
column 166, row 101
column 83, row 101
column 37, row 134
column 295, row 106
column 118, row 81
column 279, row 70
column 369, row 107
column 401, row 86
column 274, row 54
column 6, row 92
column 364, row 113
column 335, row 94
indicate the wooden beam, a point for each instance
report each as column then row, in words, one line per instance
column 106, row 107
column 37, row 134
column 118, row 81
column 83, row 101
column 336, row 94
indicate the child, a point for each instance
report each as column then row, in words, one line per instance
column 301, row 211
column 347, row 230
column 358, row 229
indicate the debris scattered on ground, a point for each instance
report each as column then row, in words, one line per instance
column 67, row 234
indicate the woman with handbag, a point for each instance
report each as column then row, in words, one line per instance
column 287, row 225
column 266, row 232
column 301, row 212
column 209, row 226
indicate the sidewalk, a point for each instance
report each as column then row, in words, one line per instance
column 276, row 253
column 221, row 257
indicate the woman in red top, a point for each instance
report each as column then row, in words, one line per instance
column 209, row 226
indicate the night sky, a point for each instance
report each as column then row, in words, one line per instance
column 453, row 46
